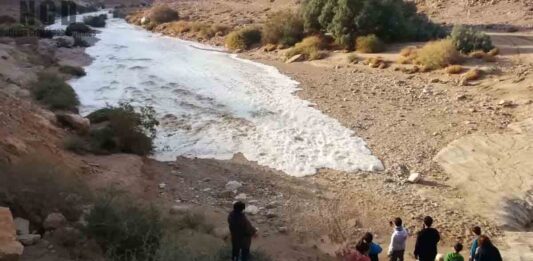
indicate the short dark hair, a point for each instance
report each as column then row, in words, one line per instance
column 476, row 230
column 428, row 221
column 362, row 247
column 398, row 221
column 458, row 247
column 368, row 237
column 239, row 207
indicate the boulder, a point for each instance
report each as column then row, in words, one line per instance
column 295, row 58
column 233, row 185
column 74, row 121
column 22, row 226
column 54, row 221
column 241, row 196
column 414, row 177
column 145, row 20
column 10, row 248
column 251, row 209
column 29, row 240
column 271, row 214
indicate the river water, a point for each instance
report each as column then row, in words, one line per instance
column 212, row 104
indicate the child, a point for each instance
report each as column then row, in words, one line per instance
column 455, row 256
column 375, row 249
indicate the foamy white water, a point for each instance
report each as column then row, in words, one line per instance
column 213, row 105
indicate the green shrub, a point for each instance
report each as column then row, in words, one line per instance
column 72, row 70
column 284, row 27
column 243, row 39
column 390, row 20
column 54, row 92
column 95, row 20
column 163, row 14
column 467, row 39
column 369, row 44
column 309, row 47
column 125, row 231
column 437, row 54
column 77, row 29
column 125, row 130
column 34, row 188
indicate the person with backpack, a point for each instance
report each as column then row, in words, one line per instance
column 455, row 256
column 398, row 241
column 426, row 241
column 486, row 251
column 375, row 249
column 477, row 232
column 241, row 231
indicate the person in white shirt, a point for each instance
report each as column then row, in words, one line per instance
column 397, row 242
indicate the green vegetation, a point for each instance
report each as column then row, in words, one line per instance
column 437, row 54
column 163, row 14
column 243, row 39
column 467, row 39
column 54, row 92
column 123, row 130
column 34, row 188
column 390, row 20
column 284, row 27
column 95, row 20
column 76, row 29
column 369, row 44
column 72, row 70
column 309, row 47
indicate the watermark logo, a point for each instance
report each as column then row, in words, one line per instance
column 46, row 12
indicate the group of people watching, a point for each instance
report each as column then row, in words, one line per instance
column 427, row 239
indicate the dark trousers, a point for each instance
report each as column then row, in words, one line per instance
column 240, row 250
column 397, row 255
column 427, row 258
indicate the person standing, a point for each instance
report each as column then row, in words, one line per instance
column 486, row 250
column 477, row 232
column 426, row 241
column 375, row 249
column 241, row 231
column 397, row 242
column 360, row 253
column 455, row 256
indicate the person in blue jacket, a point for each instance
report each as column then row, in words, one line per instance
column 375, row 249
column 477, row 232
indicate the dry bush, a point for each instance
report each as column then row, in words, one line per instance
column 284, row 27
column 243, row 39
column 352, row 58
column 34, row 188
column 369, row 44
column 479, row 54
column 269, row 47
column 180, row 27
column 376, row 62
column 163, row 14
column 408, row 51
column 472, row 75
column 494, row 51
column 454, row 69
column 438, row 54
column 309, row 47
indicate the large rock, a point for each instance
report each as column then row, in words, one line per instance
column 295, row 58
column 74, row 121
column 54, row 221
column 64, row 41
column 251, row 209
column 29, row 240
column 414, row 177
column 10, row 248
column 233, row 185
column 22, row 226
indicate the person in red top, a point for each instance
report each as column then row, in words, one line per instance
column 360, row 253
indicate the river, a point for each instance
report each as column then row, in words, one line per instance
column 212, row 104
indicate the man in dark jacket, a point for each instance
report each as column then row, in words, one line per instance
column 487, row 251
column 426, row 242
column 242, row 232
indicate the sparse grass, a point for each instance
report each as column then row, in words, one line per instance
column 243, row 39
column 309, row 47
column 407, row 55
column 72, row 70
column 269, row 47
column 479, row 54
column 35, row 187
column 54, row 92
column 369, row 44
column 472, row 75
column 376, row 62
column 163, row 14
column 454, row 69
column 437, row 54
column 352, row 58
column 284, row 27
